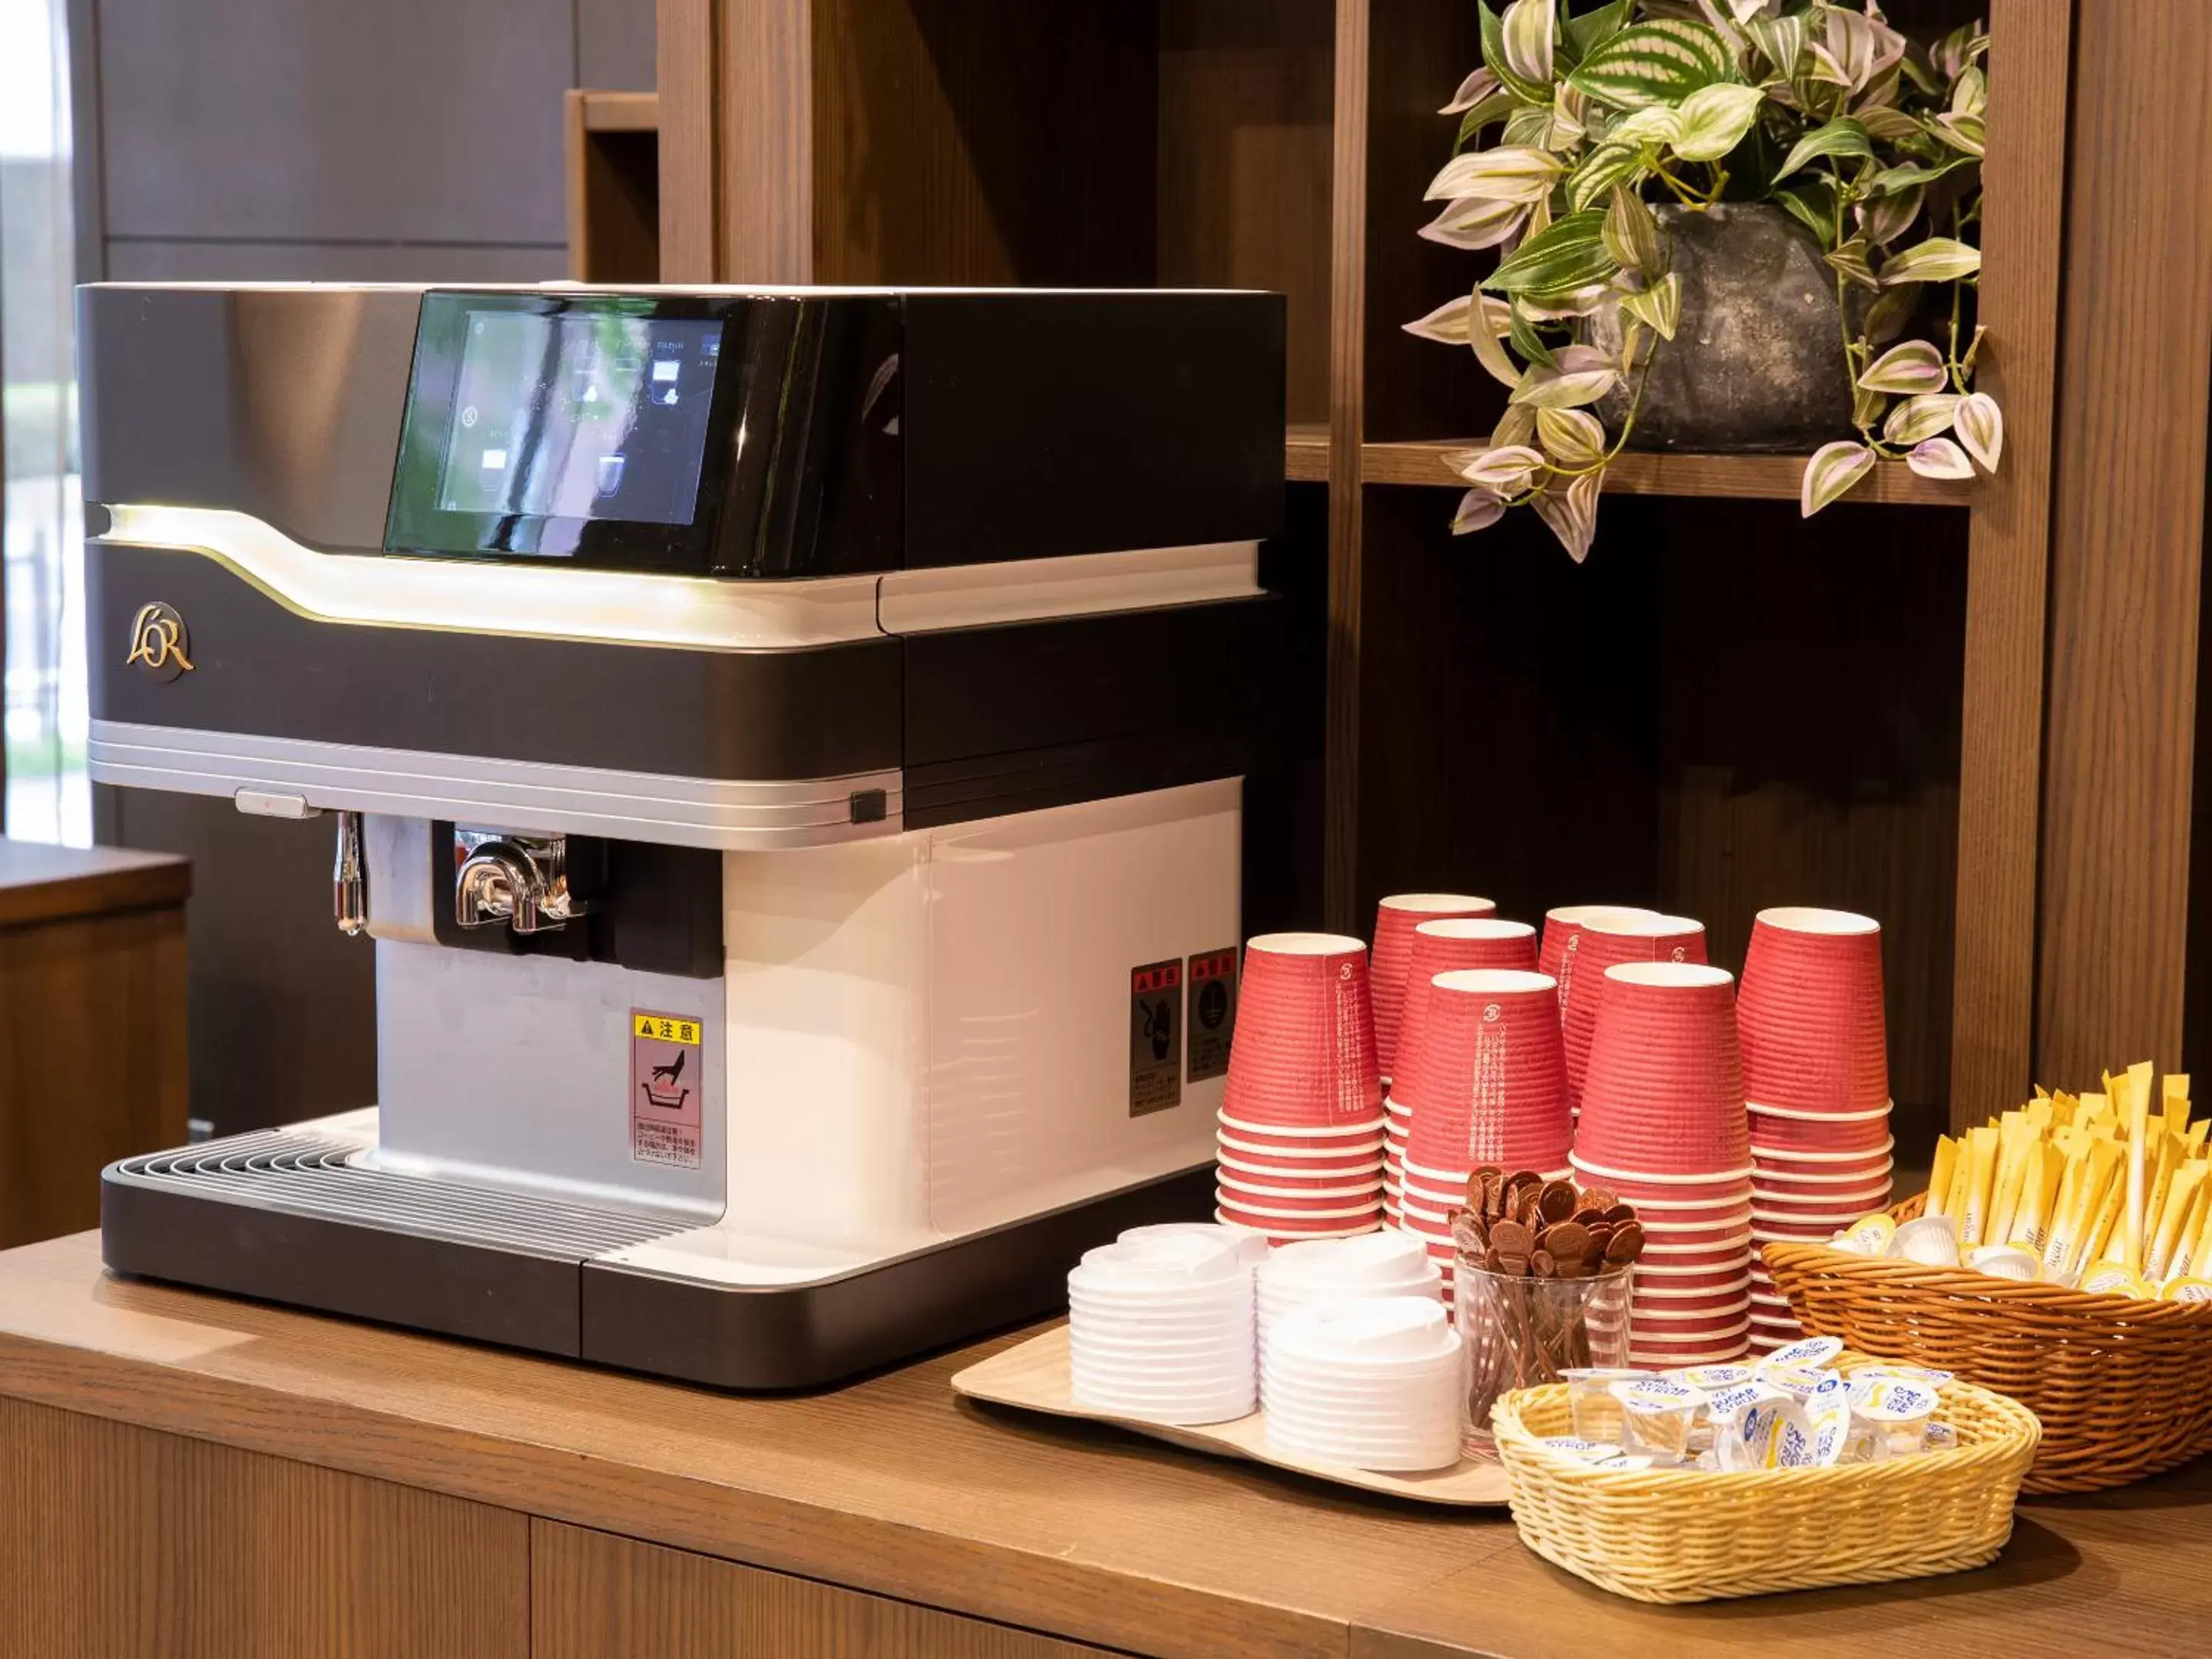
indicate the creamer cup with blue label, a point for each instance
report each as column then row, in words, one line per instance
column 1712, row 1377
column 1582, row 1450
column 2113, row 1279
column 1806, row 1351
column 1901, row 1411
column 1724, row 1403
column 1657, row 1413
column 1623, row 1462
column 1794, row 1447
column 1796, row 1381
column 1746, row 1440
column 1828, row 1411
column 1938, row 1436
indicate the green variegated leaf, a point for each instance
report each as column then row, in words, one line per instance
column 1494, row 59
column 1525, row 36
column 1714, row 119
column 1478, row 86
column 1572, row 512
column 1918, row 419
column 1888, row 125
column 1938, row 259
column 1810, row 201
column 1965, row 133
column 1655, row 123
column 1526, row 341
column 1447, row 324
column 1659, row 306
column 1472, row 222
column 1568, row 254
column 1883, row 219
column 1485, row 328
column 1566, row 388
column 1662, row 62
column 1632, row 235
column 1913, row 366
column 1886, row 319
column 1571, row 437
column 1780, row 39
column 1940, row 458
column 1851, row 261
column 1594, row 28
column 1495, row 108
column 1507, row 173
column 1842, row 136
column 1970, row 93
column 1821, row 65
column 1608, row 165
column 1505, row 470
column 1866, row 407
column 1981, row 428
column 1517, row 425
column 1910, row 174
column 1530, row 124
column 1955, row 51
column 1479, row 509
column 1833, row 469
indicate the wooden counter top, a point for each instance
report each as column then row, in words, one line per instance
column 893, row 1485
column 42, row 882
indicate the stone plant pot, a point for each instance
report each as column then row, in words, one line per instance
column 1756, row 364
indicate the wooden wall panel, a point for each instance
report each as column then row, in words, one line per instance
column 117, row 1543
column 685, row 67
column 2001, row 759
column 2127, row 541
column 1245, row 147
column 595, row 1595
column 1348, row 392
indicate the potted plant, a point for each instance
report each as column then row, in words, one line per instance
column 1721, row 223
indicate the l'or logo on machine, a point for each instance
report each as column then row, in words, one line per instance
column 159, row 642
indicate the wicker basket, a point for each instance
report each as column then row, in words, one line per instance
column 2123, row 1388
column 1693, row 1535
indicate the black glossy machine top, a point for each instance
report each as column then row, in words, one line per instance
column 709, row 432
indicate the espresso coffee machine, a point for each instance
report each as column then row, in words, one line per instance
column 784, row 748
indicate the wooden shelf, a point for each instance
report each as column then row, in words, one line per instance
column 619, row 112
column 1754, row 477
column 1305, row 454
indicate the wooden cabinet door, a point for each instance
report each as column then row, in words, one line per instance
column 596, row 1596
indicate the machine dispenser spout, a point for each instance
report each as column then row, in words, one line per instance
column 349, row 877
column 521, row 880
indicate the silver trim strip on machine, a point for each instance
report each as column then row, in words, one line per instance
column 586, row 800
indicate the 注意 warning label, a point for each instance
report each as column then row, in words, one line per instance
column 666, row 1080
column 1213, row 1014
column 1155, row 1037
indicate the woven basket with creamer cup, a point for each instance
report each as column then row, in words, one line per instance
column 1701, row 1535
column 2120, row 1385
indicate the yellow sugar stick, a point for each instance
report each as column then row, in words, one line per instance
column 2095, row 1109
column 2015, row 1138
column 2199, row 1262
column 2136, row 1118
column 2100, row 1176
column 2195, row 1135
column 2059, row 1234
column 2038, row 1114
column 2174, row 1098
column 2165, row 1154
column 2097, row 1243
column 2031, row 1227
column 1981, row 1178
column 1939, row 1176
column 1955, row 1205
column 2181, row 1200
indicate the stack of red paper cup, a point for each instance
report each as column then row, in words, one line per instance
column 1299, row 1151
column 1489, row 1086
column 1663, row 1126
column 1396, row 919
column 1440, row 947
column 1600, row 942
column 1816, row 1076
column 1562, row 924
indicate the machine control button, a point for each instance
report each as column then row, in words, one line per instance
column 274, row 804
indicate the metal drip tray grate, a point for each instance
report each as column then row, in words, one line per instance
column 306, row 1175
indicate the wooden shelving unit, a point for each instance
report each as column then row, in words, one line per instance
column 613, row 175
column 1727, row 706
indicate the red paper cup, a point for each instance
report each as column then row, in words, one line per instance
column 1772, row 1196
column 1816, row 1133
column 1710, row 1278
column 1663, row 1291
column 1333, row 1158
column 1280, row 1235
column 1663, row 1094
column 1562, row 924
column 1712, row 1189
column 1395, row 918
column 1814, row 1033
column 1603, row 942
column 1807, row 1176
column 1262, row 1187
column 1303, row 1054
column 1488, row 1083
column 1725, row 1229
column 1450, row 945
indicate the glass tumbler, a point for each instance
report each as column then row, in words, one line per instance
column 1520, row 1331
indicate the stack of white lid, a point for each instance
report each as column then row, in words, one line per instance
column 1372, row 1383
column 1387, row 1263
column 1160, row 1325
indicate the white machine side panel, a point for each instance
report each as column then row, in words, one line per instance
column 929, row 1035
column 1036, row 923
